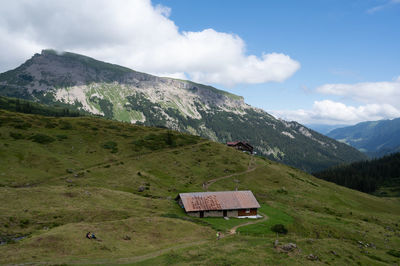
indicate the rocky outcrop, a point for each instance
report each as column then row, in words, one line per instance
column 120, row 93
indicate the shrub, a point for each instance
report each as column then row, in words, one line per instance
column 23, row 126
column 279, row 228
column 111, row 145
column 15, row 135
column 394, row 253
column 24, row 223
column 65, row 125
column 49, row 124
column 282, row 191
column 61, row 137
column 42, row 138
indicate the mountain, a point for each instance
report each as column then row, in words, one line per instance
column 119, row 93
column 61, row 177
column 375, row 138
column 322, row 128
column 380, row 176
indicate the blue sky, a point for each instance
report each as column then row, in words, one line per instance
column 334, row 41
column 316, row 62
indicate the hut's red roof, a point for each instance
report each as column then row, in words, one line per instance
column 234, row 143
column 222, row 200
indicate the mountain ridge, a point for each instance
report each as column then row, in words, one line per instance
column 126, row 95
column 375, row 138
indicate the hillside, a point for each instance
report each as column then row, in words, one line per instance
column 29, row 107
column 122, row 94
column 380, row 176
column 63, row 177
column 375, row 138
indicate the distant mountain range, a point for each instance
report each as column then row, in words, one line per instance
column 323, row 129
column 375, row 138
column 116, row 92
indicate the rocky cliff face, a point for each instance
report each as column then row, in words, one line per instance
column 126, row 95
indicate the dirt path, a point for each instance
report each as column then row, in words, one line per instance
column 111, row 161
column 249, row 169
column 157, row 253
column 232, row 231
column 160, row 252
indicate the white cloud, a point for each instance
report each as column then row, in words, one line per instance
column 381, row 7
column 136, row 34
column 331, row 112
column 380, row 100
column 385, row 92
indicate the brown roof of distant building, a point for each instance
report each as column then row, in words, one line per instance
column 222, row 200
column 234, row 143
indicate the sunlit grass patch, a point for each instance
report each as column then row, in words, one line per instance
column 275, row 216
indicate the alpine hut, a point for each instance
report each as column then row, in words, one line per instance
column 219, row 204
column 241, row 145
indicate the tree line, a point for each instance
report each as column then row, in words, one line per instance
column 365, row 176
column 28, row 107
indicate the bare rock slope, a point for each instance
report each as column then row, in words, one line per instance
column 123, row 94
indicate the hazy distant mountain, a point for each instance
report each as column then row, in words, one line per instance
column 123, row 94
column 375, row 138
column 323, row 129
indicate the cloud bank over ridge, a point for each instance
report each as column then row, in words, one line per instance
column 380, row 100
column 135, row 34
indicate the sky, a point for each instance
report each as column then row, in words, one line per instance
column 313, row 61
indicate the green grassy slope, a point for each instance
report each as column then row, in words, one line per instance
column 62, row 177
column 78, row 82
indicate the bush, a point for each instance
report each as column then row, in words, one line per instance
column 23, row 126
column 49, row 124
column 61, row 137
column 279, row 228
column 65, row 125
column 42, row 138
column 282, row 191
column 24, row 223
column 111, row 145
column 15, row 135
column 394, row 253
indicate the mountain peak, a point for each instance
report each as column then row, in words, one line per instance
column 119, row 93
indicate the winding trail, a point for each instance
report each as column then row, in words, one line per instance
column 154, row 254
column 232, row 231
column 250, row 168
column 115, row 160
column 160, row 252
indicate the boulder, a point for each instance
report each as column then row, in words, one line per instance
column 289, row 247
column 312, row 257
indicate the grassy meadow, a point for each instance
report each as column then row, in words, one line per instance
column 63, row 177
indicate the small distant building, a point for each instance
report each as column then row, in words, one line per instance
column 241, row 145
column 219, row 204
